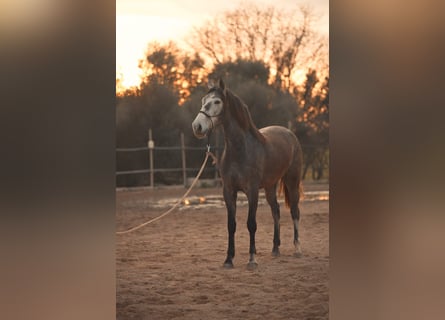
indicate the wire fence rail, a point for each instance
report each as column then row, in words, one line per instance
column 160, row 148
column 182, row 148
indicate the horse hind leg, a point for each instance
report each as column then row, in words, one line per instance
column 292, row 194
column 271, row 197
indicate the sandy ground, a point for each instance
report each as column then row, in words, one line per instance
column 172, row 269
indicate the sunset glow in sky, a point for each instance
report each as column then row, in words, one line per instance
column 140, row 21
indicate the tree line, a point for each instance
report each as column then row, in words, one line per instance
column 261, row 54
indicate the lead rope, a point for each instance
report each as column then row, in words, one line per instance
column 208, row 153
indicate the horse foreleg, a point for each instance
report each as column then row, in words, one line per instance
column 252, row 197
column 230, row 200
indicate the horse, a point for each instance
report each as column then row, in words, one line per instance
column 252, row 159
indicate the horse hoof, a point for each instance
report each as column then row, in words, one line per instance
column 297, row 253
column 276, row 252
column 252, row 265
column 228, row 265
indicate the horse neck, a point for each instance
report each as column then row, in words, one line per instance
column 235, row 135
column 236, row 140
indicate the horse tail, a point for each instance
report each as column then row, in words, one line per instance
column 301, row 190
column 283, row 187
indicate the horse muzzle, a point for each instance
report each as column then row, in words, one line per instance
column 200, row 128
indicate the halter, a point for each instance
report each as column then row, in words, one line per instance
column 210, row 132
column 210, row 117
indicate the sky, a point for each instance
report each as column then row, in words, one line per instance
column 140, row 21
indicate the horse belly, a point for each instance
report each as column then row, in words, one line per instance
column 273, row 173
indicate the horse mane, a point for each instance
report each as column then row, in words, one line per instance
column 242, row 115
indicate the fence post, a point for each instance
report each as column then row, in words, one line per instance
column 151, row 146
column 184, row 173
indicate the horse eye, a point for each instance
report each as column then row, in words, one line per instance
column 217, row 102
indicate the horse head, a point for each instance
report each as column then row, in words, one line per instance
column 212, row 109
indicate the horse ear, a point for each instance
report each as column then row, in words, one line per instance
column 211, row 84
column 221, row 84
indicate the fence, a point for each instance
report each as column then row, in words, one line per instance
column 184, row 169
column 152, row 170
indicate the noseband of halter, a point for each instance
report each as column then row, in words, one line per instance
column 211, row 129
column 210, row 117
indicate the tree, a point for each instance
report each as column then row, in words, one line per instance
column 241, row 70
column 312, row 124
column 285, row 41
column 169, row 66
